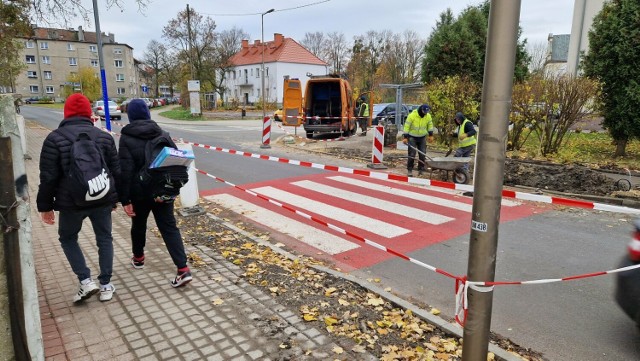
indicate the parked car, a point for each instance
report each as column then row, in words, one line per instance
column 123, row 105
column 627, row 291
column 114, row 109
column 387, row 111
column 32, row 100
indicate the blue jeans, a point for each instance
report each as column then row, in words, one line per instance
column 166, row 222
column 419, row 143
column 465, row 152
column 69, row 226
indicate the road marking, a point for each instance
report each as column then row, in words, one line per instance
column 387, row 206
column 405, row 193
column 419, row 196
column 310, row 235
column 352, row 219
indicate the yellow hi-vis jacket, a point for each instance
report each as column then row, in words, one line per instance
column 467, row 141
column 417, row 126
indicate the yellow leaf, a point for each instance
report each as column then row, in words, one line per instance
column 343, row 302
column 329, row 291
column 491, row 356
column 308, row 317
column 329, row 321
column 217, row 301
column 435, row 311
column 375, row 301
column 338, row 350
column 358, row 349
column 382, row 331
column 237, row 262
column 274, row 289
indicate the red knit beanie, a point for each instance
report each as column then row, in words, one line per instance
column 77, row 105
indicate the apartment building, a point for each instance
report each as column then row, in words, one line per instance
column 52, row 55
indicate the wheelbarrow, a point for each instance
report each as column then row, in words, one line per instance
column 448, row 164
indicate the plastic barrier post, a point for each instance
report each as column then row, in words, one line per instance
column 189, row 194
column 377, row 149
column 266, row 133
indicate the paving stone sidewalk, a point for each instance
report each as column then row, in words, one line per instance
column 147, row 318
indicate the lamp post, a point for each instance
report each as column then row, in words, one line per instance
column 264, row 110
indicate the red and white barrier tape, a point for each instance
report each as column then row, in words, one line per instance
column 462, row 284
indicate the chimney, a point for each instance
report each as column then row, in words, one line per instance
column 245, row 44
column 80, row 33
column 278, row 39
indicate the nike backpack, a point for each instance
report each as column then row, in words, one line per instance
column 89, row 177
column 162, row 184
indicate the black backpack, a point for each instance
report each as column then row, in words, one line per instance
column 161, row 184
column 90, row 180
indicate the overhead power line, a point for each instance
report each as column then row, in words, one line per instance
column 277, row 10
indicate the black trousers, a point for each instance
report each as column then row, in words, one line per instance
column 421, row 144
column 166, row 222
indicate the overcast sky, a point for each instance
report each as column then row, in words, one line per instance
column 294, row 18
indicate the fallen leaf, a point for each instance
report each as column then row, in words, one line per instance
column 358, row 349
column 339, row 350
column 217, row 301
column 435, row 311
column 343, row 302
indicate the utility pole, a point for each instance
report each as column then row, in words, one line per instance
column 103, row 76
column 499, row 66
column 189, row 42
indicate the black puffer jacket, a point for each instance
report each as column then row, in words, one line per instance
column 132, row 158
column 54, row 190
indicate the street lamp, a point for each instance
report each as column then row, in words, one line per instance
column 264, row 111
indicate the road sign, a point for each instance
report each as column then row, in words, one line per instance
column 145, row 89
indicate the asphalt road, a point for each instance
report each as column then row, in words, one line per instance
column 573, row 320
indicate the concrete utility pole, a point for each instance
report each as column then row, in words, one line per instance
column 494, row 118
column 103, row 76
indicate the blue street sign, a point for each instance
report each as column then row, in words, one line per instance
column 145, row 89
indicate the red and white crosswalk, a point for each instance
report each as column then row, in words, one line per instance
column 398, row 216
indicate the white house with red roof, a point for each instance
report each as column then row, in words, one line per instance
column 282, row 57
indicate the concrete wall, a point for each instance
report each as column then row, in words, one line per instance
column 6, row 345
column 583, row 13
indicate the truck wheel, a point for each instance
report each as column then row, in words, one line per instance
column 309, row 135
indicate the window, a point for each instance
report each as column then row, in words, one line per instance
column 120, row 91
column 117, row 63
column 119, row 77
column 31, row 59
column 93, row 48
column 33, row 89
column 94, row 63
column 44, row 45
column 266, row 71
column 257, row 72
column 70, row 47
column 46, row 59
column 32, row 74
column 252, row 72
column 117, row 51
column 48, row 89
column 73, row 61
column 29, row 44
column 47, row 75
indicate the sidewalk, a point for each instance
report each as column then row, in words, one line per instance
column 147, row 318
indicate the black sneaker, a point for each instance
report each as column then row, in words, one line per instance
column 137, row 263
column 181, row 279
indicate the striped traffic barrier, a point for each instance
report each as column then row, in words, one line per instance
column 377, row 148
column 266, row 133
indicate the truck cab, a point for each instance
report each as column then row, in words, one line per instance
column 327, row 105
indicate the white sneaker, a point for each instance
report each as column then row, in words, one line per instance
column 106, row 292
column 87, row 289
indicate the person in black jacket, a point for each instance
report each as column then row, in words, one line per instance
column 54, row 193
column 138, row 203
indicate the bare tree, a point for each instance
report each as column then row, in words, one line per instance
column 153, row 57
column 539, row 53
column 229, row 43
column 194, row 35
column 335, row 51
column 315, row 43
column 64, row 11
column 171, row 66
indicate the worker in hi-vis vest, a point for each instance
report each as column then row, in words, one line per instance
column 363, row 116
column 417, row 126
column 466, row 134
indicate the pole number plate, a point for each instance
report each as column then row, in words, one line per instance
column 478, row 226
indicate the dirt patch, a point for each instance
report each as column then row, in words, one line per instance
column 352, row 316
